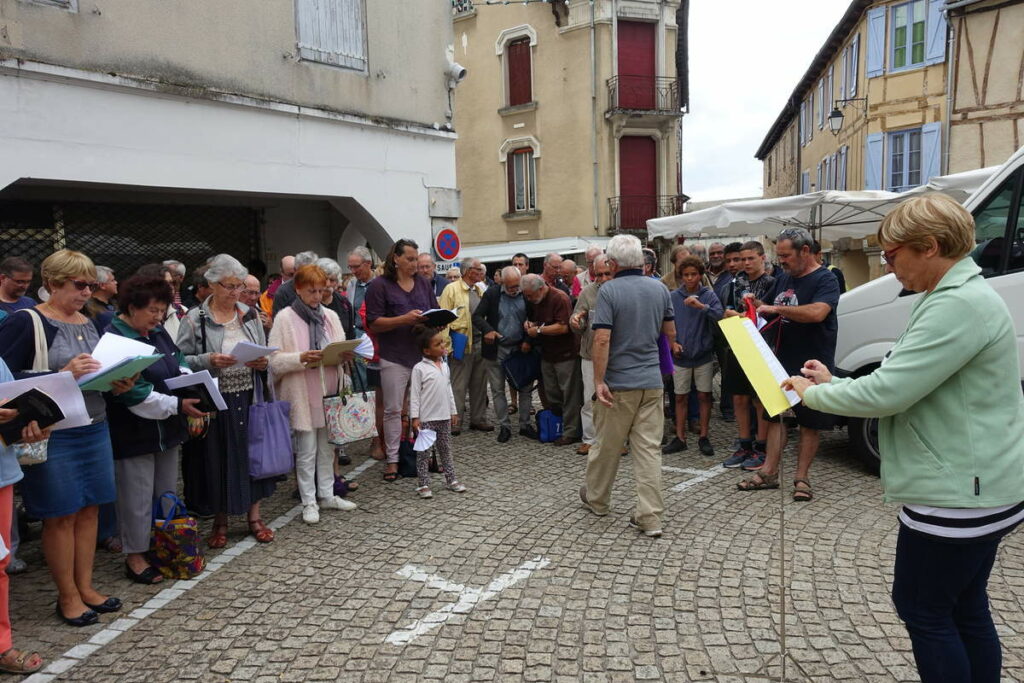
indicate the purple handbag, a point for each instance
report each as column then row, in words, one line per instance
column 270, row 434
column 665, row 355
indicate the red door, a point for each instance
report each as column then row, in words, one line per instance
column 636, row 64
column 638, row 182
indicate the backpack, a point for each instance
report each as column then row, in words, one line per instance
column 549, row 426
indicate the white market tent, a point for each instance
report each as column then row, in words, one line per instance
column 503, row 251
column 836, row 214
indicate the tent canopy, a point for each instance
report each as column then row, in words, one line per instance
column 837, row 214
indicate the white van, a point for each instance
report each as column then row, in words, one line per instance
column 874, row 315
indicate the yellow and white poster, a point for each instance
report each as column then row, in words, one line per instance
column 762, row 368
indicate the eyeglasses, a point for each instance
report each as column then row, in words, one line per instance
column 230, row 288
column 251, row 292
column 889, row 254
column 21, row 283
column 82, row 284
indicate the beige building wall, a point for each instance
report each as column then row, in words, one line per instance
column 987, row 124
column 558, row 124
column 243, row 47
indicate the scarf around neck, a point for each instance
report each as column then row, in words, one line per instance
column 314, row 317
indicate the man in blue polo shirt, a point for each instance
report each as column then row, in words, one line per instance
column 632, row 311
column 15, row 278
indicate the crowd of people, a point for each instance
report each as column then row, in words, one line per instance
column 614, row 349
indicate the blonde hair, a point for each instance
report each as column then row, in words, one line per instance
column 934, row 216
column 64, row 265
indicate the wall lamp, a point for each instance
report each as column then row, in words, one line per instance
column 835, row 119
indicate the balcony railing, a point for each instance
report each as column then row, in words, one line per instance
column 644, row 95
column 631, row 212
column 460, row 7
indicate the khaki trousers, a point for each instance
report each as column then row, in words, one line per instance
column 470, row 374
column 637, row 415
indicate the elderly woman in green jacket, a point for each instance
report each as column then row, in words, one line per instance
column 951, row 437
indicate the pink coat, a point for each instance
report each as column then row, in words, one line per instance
column 292, row 380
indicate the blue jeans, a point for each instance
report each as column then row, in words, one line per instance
column 939, row 591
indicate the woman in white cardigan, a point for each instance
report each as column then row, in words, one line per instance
column 300, row 332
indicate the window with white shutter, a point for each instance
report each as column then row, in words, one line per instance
column 332, row 32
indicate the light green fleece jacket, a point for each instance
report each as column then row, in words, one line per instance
column 951, row 428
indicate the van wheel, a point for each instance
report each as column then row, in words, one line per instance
column 864, row 441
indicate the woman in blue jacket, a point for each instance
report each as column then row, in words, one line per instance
column 951, row 437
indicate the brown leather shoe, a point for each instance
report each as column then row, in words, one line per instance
column 482, row 428
column 584, row 449
column 565, row 441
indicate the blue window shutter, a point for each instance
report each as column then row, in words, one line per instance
column 873, row 162
column 854, row 66
column 931, row 151
column 819, row 187
column 843, row 61
column 935, row 47
column 805, row 182
column 876, row 42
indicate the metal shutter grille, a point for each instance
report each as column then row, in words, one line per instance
column 126, row 236
column 332, row 32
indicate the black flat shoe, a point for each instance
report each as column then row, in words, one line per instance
column 109, row 605
column 87, row 618
column 147, row 577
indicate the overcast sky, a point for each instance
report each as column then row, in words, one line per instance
column 746, row 57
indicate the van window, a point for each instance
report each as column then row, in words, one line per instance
column 990, row 222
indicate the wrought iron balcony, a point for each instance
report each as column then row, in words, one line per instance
column 643, row 95
column 462, row 7
column 630, row 213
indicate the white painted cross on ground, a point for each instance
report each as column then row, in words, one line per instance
column 468, row 597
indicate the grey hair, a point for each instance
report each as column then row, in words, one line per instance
column 223, row 266
column 330, row 267
column 363, row 253
column 798, row 237
column 305, row 258
column 595, row 250
column 175, row 266
column 104, row 274
column 550, row 257
column 600, row 260
column 626, row 251
column 531, row 282
column 467, row 263
column 508, row 271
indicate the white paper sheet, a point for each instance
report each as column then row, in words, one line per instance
column 195, row 378
column 62, row 388
column 424, row 440
column 113, row 349
column 778, row 372
column 245, row 352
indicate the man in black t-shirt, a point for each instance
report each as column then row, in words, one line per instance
column 802, row 326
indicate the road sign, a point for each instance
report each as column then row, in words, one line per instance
column 447, row 244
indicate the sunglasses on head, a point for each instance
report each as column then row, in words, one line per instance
column 82, row 284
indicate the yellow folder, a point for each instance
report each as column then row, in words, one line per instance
column 760, row 365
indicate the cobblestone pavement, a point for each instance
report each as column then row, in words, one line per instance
column 514, row 580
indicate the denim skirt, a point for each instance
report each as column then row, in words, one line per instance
column 78, row 472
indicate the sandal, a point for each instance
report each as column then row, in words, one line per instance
column 261, row 531
column 759, row 482
column 391, row 476
column 147, row 576
column 802, row 495
column 16, row 662
column 219, row 537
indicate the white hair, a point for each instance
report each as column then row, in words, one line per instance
column 104, row 274
column 223, row 266
column 363, row 253
column 468, row 263
column 330, row 267
column 626, row 251
column 175, row 266
column 509, row 272
column 531, row 282
column 305, row 258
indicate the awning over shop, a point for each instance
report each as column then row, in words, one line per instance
column 503, row 251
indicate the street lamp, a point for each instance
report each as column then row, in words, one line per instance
column 835, row 119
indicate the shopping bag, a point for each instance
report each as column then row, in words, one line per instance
column 349, row 415
column 549, row 426
column 176, row 549
column 459, row 342
column 270, row 434
column 522, row 369
column 35, row 453
column 407, row 457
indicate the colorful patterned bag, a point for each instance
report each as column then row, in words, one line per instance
column 349, row 415
column 176, row 549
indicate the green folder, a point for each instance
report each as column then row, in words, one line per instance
column 104, row 381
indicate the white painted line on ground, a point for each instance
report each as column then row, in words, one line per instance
column 414, row 573
column 79, row 653
column 700, row 477
column 468, row 598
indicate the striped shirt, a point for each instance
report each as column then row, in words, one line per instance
column 962, row 524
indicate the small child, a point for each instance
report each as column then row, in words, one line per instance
column 432, row 406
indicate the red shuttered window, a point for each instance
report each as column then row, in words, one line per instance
column 520, row 86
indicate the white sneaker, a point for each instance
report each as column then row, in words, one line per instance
column 457, row 487
column 425, row 492
column 336, row 503
column 310, row 515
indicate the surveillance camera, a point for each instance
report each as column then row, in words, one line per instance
column 455, row 73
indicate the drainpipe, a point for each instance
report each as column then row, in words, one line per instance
column 593, row 115
column 950, row 74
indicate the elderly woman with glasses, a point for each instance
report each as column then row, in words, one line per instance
column 216, row 471
column 78, row 475
column 950, row 435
